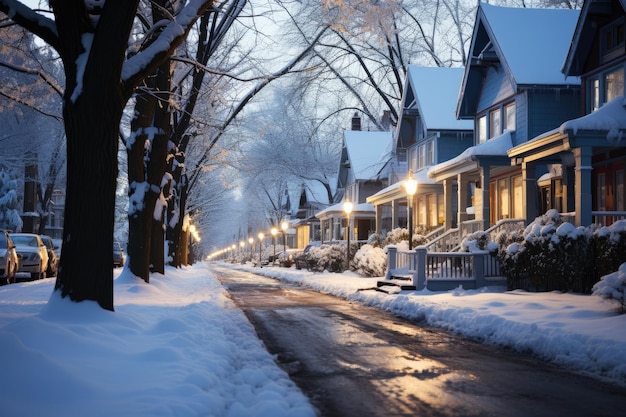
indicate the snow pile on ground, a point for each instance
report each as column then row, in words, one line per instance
column 174, row 347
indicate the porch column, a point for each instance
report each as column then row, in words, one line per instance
column 448, row 190
column 529, row 192
column 484, row 210
column 395, row 214
column 379, row 217
column 582, row 175
column 462, row 198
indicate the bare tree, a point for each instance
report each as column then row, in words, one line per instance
column 100, row 75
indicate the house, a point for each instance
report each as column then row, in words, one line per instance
column 587, row 155
column 513, row 90
column 314, row 197
column 363, row 155
column 428, row 132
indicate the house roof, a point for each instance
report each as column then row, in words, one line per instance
column 497, row 146
column 434, row 92
column 583, row 38
column 530, row 44
column 336, row 210
column 367, row 152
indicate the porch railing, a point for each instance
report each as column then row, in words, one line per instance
column 439, row 271
column 606, row 218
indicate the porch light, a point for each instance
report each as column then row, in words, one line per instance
column 410, row 186
column 347, row 208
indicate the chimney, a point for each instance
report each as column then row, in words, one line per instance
column 386, row 119
column 356, row 122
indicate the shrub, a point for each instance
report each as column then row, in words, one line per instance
column 612, row 287
column 331, row 258
column 370, row 261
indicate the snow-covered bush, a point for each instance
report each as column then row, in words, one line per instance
column 9, row 205
column 376, row 240
column 609, row 244
column 551, row 254
column 477, row 241
column 612, row 287
column 370, row 261
column 331, row 258
column 400, row 234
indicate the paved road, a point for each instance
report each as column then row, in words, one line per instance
column 352, row 360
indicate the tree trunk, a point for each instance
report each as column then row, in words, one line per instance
column 91, row 126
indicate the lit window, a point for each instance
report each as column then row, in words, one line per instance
column 495, row 127
column 482, row 129
column 509, row 117
column 614, row 84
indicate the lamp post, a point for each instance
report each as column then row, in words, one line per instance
column 284, row 225
column 347, row 208
column 274, row 231
column 251, row 241
column 261, row 236
column 241, row 252
column 410, row 186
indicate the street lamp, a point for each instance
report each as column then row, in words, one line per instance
column 347, row 208
column 274, row 231
column 261, row 236
column 284, row 225
column 251, row 241
column 410, row 186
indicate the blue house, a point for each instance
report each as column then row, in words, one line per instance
column 512, row 90
column 587, row 154
column 428, row 132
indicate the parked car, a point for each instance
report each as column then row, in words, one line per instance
column 33, row 254
column 118, row 255
column 287, row 257
column 53, row 259
column 9, row 260
column 301, row 260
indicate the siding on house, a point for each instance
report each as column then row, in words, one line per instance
column 497, row 87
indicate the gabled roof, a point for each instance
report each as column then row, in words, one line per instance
column 367, row 152
column 584, row 35
column 434, row 91
column 530, row 44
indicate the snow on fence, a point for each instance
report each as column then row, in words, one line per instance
column 441, row 271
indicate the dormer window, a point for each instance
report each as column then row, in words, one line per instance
column 612, row 40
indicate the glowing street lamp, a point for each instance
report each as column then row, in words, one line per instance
column 410, row 186
column 274, row 232
column 284, row 225
column 347, row 208
column 261, row 236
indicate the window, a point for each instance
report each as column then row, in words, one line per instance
column 594, row 94
column 619, row 191
column 614, row 84
column 605, row 87
column 503, row 199
column 482, row 129
column 421, row 157
column 601, row 192
column 413, row 159
column 430, row 153
column 509, row 117
column 518, row 200
column 432, row 210
column 495, row 128
column 612, row 38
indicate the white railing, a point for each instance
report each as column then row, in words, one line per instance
column 444, row 270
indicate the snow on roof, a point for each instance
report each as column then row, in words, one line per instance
column 535, row 42
column 367, row 152
column 493, row 147
column 437, row 90
column 338, row 208
column 611, row 117
column 420, row 176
